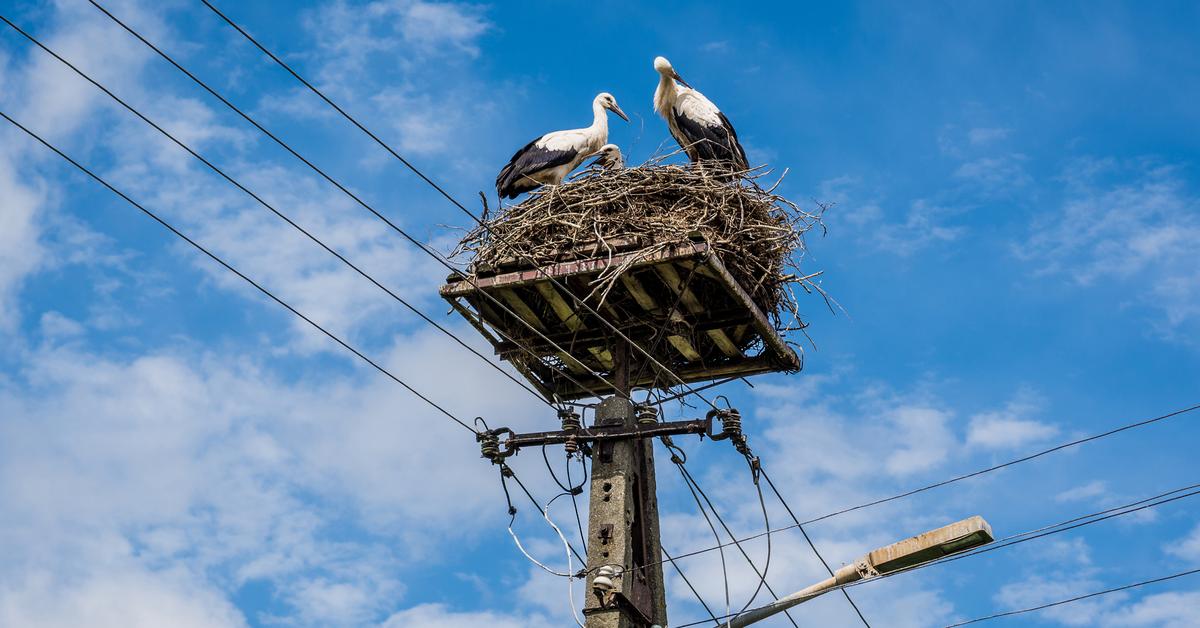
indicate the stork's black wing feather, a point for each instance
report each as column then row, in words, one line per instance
column 514, row 177
column 740, row 159
column 707, row 141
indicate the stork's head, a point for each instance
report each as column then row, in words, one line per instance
column 606, row 100
column 610, row 156
column 664, row 67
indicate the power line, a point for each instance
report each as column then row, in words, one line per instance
column 424, row 248
column 700, row 506
column 539, row 507
column 340, row 257
column 682, row 466
column 1076, row 598
column 959, row 478
column 1031, row 535
column 1058, row 528
column 235, row 271
column 448, row 197
column 813, row 546
column 1009, row 463
column 688, row 582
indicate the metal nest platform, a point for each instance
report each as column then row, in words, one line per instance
column 678, row 302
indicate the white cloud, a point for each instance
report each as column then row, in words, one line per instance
column 1085, row 492
column 1115, row 610
column 999, row 175
column 209, row 464
column 921, row 440
column 986, row 135
column 440, row 616
column 408, row 32
column 435, row 26
column 55, row 326
column 1038, row 590
column 1187, row 548
column 923, row 224
column 1161, row 610
column 1009, row 427
column 1134, row 225
column 117, row 597
column 21, row 252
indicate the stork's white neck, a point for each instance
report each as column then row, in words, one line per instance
column 600, row 122
column 664, row 95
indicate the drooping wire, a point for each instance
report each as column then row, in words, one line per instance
column 512, row 513
column 235, row 271
column 575, row 500
column 534, row 501
column 570, row 568
column 731, row 425
column 507, row 472
column 679, row 458
column 811, row 545
column 447, row 196
column 688, row 582
column 766, row 524
column 340, row 257
column 570, row 488
column 1077, row 598
column 412, row 240
column 1024, row 537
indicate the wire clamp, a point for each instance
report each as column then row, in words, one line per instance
column 489, row 446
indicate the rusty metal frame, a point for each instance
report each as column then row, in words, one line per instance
column 739, row 314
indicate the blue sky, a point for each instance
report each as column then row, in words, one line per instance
column 1017, row 210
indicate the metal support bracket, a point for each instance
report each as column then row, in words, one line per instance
column 596, row 435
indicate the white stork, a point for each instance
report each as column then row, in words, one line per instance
column 695, row 122
column 549, row 158
column 609, row 156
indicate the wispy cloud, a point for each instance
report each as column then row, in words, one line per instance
column 1132, row 223
column 1011, row 426
column 1086, row 492
column 980, row 136
column 923, row 222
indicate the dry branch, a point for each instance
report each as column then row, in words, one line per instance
column 758, row 234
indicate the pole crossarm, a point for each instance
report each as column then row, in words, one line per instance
column 594, row 435
column 574, row 436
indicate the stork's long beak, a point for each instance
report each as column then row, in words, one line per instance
column 675, row 75
column 617, row 110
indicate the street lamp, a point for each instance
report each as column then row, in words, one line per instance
column 956, row 537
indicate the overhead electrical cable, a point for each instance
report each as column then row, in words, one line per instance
column 340, row 257
column 1077, row 598
column 412, row 240
column 681, row 464
column 1031, row 535
column 1010, row 463
column 813, row 546
column 653, row 361
column 235, row 271
column 959, row 478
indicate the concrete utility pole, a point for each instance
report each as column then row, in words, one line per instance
column 713, row 329
column 623, row 520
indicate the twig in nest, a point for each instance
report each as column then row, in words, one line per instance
column 756, row 233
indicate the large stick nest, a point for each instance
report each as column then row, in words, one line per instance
column 758, row 235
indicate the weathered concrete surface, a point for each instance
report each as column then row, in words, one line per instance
column 623, row 526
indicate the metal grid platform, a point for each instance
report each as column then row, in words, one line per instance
column 679, row 303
